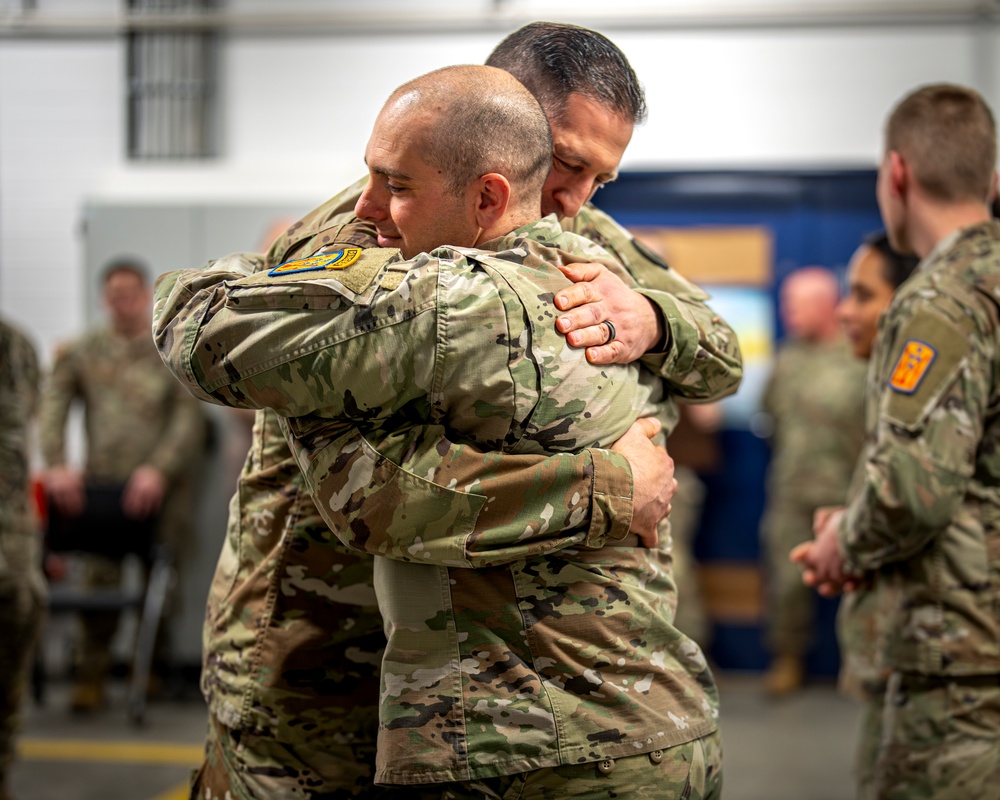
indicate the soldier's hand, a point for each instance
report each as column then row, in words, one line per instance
column 64, row 488
column 144, row 492
column 598, row 295
column 821, row 561
column 652, row 477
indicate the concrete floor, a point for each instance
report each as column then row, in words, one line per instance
column 794, row 749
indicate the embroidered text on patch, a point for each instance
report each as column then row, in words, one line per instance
column 338, row 260
column 913, row 364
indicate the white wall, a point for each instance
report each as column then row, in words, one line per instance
column 297, row 110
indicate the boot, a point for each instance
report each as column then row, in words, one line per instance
column 784, row 676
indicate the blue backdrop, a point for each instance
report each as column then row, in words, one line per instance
column 815, row 217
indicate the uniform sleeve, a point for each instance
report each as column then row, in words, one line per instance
column 243, row 360
column 266, row 348
column 19, row 383
column 411, row 494
column 61, row 388
column 933, row 380
column 702, row 359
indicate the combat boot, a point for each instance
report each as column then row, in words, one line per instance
column 784, row 676
column 88, row 696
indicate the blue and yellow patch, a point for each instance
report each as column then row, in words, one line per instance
column 337, row 260
column 912, row 366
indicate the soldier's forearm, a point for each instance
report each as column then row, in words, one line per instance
column 417, row 496
column 703, row 360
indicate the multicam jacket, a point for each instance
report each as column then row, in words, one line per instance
column 536, row 659
column 815, row 396
column 924, row 521
column 19, row 383
column 701, row 361
column 134, row 412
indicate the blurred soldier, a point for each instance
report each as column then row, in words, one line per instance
column 143, row 433
column 874, row 274
column 814, row 396
column 922, row 525
column 543, row 640
column 22, row 590
column 569, row 66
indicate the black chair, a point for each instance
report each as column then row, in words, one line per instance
column 104, row 530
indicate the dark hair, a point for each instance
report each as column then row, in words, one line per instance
column 127, row 264
column 948, row 135
column 896, row 267
column 554, row 60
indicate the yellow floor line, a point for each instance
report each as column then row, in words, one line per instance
column 181, row 792
column 184, row 755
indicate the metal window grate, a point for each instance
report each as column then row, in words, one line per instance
column 171, row 82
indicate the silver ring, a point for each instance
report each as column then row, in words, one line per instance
column 611, row 331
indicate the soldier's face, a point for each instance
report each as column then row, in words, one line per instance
column 868, row 295
column 127, row 299
column 406, row 198
column 588, row 143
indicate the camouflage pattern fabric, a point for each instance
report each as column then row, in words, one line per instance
column 691, row 616
column 134, row 412
column 242, row 767
column 326, row 682
column 936, row 740
column 867, row 744
column 923, row 525
column 658, row 690
column 293, row 638
column 702, row 357
column 861, row 626
column 692, row 770
column 815, row 397
column 22, row 589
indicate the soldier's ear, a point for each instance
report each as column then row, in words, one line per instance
column 492, row 198
column 900, row 177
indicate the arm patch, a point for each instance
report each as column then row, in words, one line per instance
column 932, row 353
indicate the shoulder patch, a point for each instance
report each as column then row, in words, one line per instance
column 931, row 356
column 352, row 268
column 912, row 366
column 341, row 259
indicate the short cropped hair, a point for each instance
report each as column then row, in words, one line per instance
column 130, row 265
column 948, row 135
column 555, row 60
column 481, row 121
column 896, row 267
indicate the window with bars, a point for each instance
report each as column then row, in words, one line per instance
column 172, row 68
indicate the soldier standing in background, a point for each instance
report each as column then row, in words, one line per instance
column 814, row 396
column 143, row 433
column 922, row 525
column 22, row 588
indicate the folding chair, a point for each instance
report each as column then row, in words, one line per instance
column 104, row 530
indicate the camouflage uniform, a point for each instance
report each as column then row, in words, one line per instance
column 814, row 395
column 491, row 614
column 923, row 524
column 134, row 414
column 22, row 590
